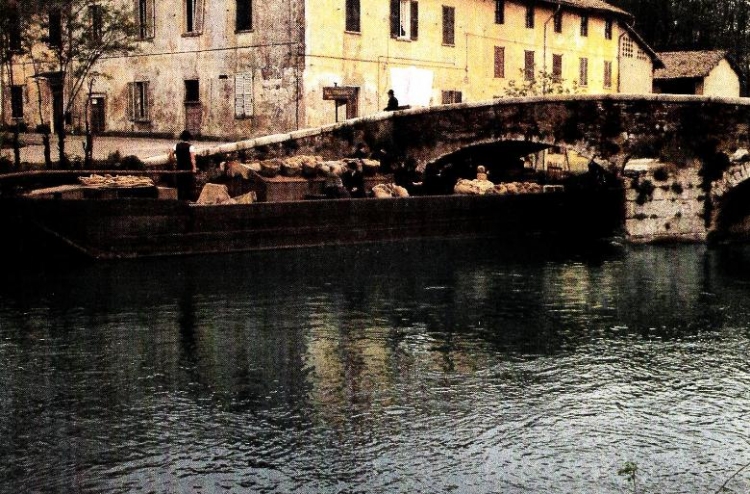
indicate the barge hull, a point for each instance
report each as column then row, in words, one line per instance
column 138, row 227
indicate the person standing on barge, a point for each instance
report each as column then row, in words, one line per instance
column 184, row 154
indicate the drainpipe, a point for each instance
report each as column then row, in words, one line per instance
column 544, row 50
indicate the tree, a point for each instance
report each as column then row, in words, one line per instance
column 70, row 37
column 542, row 84
column 11, row 47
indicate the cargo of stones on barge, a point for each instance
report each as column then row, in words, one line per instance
column 150, row 221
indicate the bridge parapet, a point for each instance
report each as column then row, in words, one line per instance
column 689, row 132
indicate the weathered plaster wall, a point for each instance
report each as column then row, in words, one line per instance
column 665, row 203
column 722, row 81
column 365, row 59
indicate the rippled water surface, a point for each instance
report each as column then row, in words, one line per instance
column 419, row 367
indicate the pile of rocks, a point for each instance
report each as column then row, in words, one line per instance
column 298, row 166
column 485, row 187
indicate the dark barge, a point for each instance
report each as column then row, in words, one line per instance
column 129, row 227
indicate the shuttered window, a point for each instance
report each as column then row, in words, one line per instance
column 243, row 96
column 193, row 16
column 557, row 68
column 583, row 79
column 607, row 74
column 352, row 16
column 584, row 25
column 145, row 18
column 499, row 62
column 138, row 101
column 528, row 65
column 95, row 15
column 404, row 19
column 451, row 97
column 499, row 11
column 530, row 16
column 449, row 25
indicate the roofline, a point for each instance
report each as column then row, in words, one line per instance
column 615, row 11
column 658, row 64
column 725, row 55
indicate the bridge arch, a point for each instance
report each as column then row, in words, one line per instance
column 613, row 128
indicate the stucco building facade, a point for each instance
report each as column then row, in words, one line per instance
column 242, row 68
column 707, row 72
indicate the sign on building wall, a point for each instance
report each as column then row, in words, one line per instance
column 339, row 93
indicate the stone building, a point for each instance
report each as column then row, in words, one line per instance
column 242, row 68
column 708, row 73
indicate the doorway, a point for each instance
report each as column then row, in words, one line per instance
column 193, row 106
column 97, row 114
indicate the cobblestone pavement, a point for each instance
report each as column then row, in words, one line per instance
column 141, row 147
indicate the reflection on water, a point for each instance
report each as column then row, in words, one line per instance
column 418, row 367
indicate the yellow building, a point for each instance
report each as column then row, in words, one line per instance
column 242, row 68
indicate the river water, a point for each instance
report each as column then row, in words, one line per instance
column 426, row 367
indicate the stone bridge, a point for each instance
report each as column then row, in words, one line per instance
column 690, row 140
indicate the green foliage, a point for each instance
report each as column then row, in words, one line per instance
column 542, row 84
column 630, row 471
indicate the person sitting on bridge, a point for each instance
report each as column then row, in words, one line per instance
column 392, row 102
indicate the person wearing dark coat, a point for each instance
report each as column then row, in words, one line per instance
column 354, row 180
column 392, row 102
column 183, row 153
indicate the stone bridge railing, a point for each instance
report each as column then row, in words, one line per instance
column 682, row 131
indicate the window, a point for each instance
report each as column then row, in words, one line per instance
column 449, row 25
column 450, row 97
column 558, row 21
column 607, row 74
column 55, row 28
column 500, row 62
column 16, row 101
column 499, row 11
column 608, row 29
column 138, row 101
column 145, row 22
column 352, row 16
column 14, row 28
column 557, row 68
column 404, row 19
column 530, row 17
column 95, row 13
column 584, row 25
column 528, row 66
column 244, row 15
column 628, row 50
column 243, row 95
column 583, row 79
column 193, row 16
column 192, row 91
